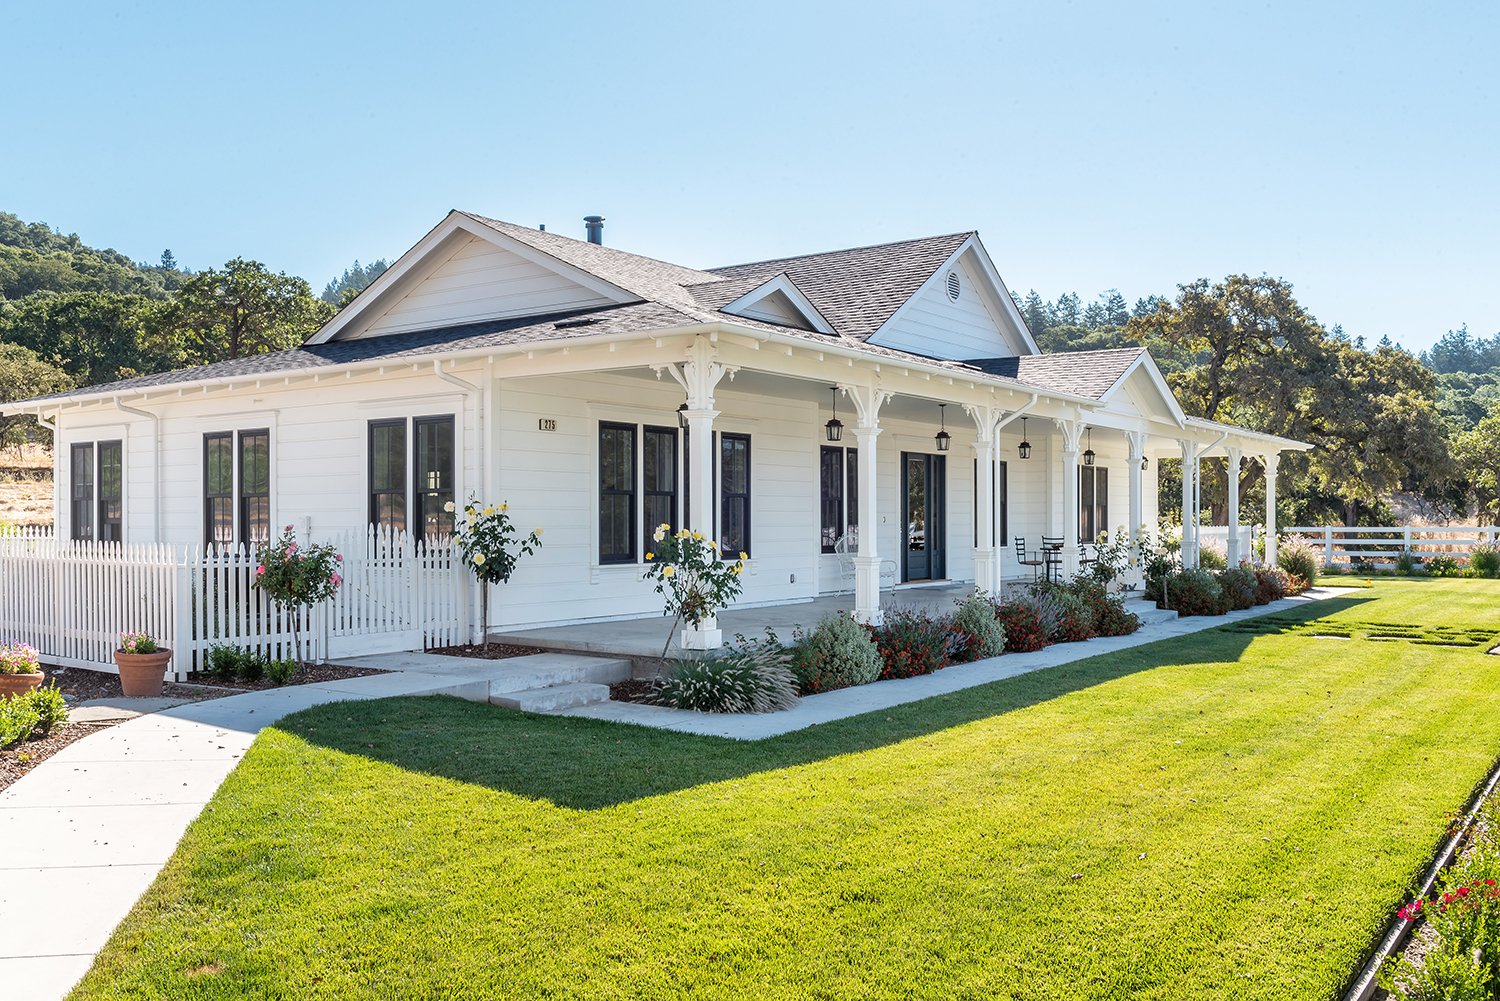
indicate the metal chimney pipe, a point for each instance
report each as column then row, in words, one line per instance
column 595, row 225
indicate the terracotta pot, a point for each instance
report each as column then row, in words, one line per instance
column 141, row 674
column 12, row 685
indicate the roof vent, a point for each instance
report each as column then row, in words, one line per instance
column 595, row 226
column 954, row 285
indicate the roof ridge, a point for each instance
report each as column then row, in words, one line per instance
column 843, row 250
column 547, row 234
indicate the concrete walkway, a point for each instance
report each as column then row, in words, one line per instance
column 829, row 706
column 87, row 830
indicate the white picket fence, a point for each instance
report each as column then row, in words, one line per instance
column 1343, row 545
column 71, row 600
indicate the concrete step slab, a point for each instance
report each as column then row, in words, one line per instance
column 543, row 670
column 553, row 698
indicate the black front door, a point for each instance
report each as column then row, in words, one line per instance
column 925, row 480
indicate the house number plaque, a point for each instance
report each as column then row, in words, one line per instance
column 546, row 424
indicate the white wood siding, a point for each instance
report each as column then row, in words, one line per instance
column 776, row 308
column 933, row 325
column 481, row 282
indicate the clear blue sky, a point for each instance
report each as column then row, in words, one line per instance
column 1351, row 148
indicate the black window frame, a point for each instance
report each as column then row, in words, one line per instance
column 833, row 489
column 109, row 518
column 650, row 493
column 246, row 495
column 630, row 491
column 741, row 499
column 81, row 513
column 216, row 502
column 1001, row 500
column 375, row 495
column 421, row 519
column 1093, row 513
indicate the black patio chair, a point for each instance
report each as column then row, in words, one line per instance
column 1052, row 555
column 1028, row 560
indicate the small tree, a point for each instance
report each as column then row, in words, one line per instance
column 297, row 578
column 692, row 575
column 491, row 549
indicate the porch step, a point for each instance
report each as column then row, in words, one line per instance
column 1147, row 611
column 553, row 698
column 546, row 670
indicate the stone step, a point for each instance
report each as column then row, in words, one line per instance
column 553, row 698
column 1148, row 613
column 544, row 670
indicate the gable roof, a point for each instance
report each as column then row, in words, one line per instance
column 1091, row 374
column 858, row 289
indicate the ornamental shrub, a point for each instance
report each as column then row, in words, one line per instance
column 1484, row 560
column 19, row 658
column 224, row 661
column 839, row 653
column 279, row 672
column 755, row 679
column 296, row 578
column 1270, row 584
column 911, row 643
column 50, row 707
column 1212, row 558
column 1194, row 591
column 1112, row 618
column 1408, row 565
column 692, row 575
column 1296, row 556
column 1023, row 626
column 977, row 632
column 1240, row 588
column 1075, row 618
column 1443, row 565
column 253, row 666
column 31, row 714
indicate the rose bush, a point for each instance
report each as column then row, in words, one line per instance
column 296, row 578
column 491, row 547
column 692, row 575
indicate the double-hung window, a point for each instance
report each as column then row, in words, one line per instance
column 81, row 479
column 1001, row 490
column 617, row 496
column 641, row 486
column 237, row 487
column 658, row 480
column 734, row 493
column 412, row 474
column 111, row 479
column 838, row 495
column 1093, row 502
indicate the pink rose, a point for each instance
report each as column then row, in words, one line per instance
column 339, row 557
column 337, row 580
column 259, row 571
column 291, row 547
column 289, row 528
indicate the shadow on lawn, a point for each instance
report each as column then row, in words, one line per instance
column 586, row 764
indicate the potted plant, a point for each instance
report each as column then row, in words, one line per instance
column 20, row 671
column 142, row 664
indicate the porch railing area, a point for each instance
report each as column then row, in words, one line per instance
column 1345, row 545
column 71, row 599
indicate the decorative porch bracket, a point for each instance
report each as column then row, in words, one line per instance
column 867, row 403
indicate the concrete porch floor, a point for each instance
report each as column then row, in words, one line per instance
column 643, row 637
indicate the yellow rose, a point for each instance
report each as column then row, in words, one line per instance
column 537, row 532
column 448, row 507
column 714, row 545
column 683, row 534
column 663, row 527
column 744, row 557
column 505, row 506
column 489, row 511
column 668, row 570
column 479, row 559
column 739, row 568
column 697, row 535
column 652, row 556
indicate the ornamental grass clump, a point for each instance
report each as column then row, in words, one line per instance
column 755, row 679
column 1240, row 588
column 492, row 547
column 297, row 578
column 1297, row 557
column 839, row 653
column 1484, row 560
column 911, row 643
column 692, row 575
column 977, row 632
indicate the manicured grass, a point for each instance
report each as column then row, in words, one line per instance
column 1225, row 815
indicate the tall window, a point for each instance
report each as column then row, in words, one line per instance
column 388, row 474
column 838, row 494
column 218, row 488
column 659, row 480
column 434, row 477
column 81, row 468
column 734, row 493
column 111, row 491
column 617, row 523
column 1093, row 502
column 255, row 487
column 1002, row 504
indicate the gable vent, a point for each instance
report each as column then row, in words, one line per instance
column 954, row 285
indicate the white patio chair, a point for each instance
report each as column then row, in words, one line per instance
column 846, row 548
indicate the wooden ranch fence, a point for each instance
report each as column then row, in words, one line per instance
column 71, row 600
column 1345, row 545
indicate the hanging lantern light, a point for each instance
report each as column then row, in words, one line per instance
column 1025, row 445
column 835, row 427
column 682, row 416
column 1088, row 454
column 1144, row 460
column 944, row 439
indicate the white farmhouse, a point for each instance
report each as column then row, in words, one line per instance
column 888, row 400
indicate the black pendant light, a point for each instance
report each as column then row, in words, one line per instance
column 1144, row 460
column 835, row 427
column 1025, row 445
column 1088, row 454
column 682, row 415
column 944, row 439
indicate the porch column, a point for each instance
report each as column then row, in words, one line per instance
column 1189, row 512
column 867, row 403
column 1232, row 467
column 1072, row 432
column 986, row 565
column 1271, row 460
column 1137, row 442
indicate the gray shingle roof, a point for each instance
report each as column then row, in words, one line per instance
column 1081, row 373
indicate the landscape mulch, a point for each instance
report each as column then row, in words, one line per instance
column 25, row 756
column 495, row 651
column 633, row 690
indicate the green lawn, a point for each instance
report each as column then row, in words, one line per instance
column 1230, row 815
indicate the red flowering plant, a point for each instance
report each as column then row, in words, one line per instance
column 1465, row 914
column 912, row 643
column 296, row 578
column 1025, row 625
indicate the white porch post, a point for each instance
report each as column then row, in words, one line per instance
column 867, row 403
column 1272, row 460
column 1072, row 431
column 1189, row 512
column 1137, row 442
column 699, row 376
column 986, row 565
column 1232, row 469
